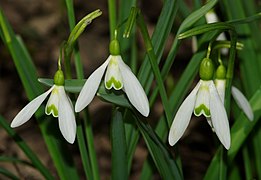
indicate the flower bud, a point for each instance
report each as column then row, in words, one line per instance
column 114, row 47
column 206, row 69
column 59, row 78
column 221, row 72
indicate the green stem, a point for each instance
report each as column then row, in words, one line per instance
column 112, row 17
column 90, row 144
column 230, row 68
column 247, row 162
column 91, row 159
column 155, row 68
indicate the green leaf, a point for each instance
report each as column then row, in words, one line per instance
column 8, row 174
column 158, row 39
column 118, row 145
column 26, row 149
column 206, row 28
column 162, row 158
column 196, row 15
column 15, row 160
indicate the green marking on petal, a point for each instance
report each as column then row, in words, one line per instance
column 52, row 110
column 202, row 109
column 113, row 83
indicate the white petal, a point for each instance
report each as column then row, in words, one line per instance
column 183, row 116
column 242, row 102
column 219, row 117
column 90, row 87
column 211, row 17
column 27, row 112
column 66, row 118
column 134, row 89
column 113, row 76
column 52, row 104
column 221, row 88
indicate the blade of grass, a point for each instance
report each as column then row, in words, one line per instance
column 158, row 39
column 8, row 174
column 153, row 62
column 118, row 145
column 257, row 155
column 247, row 163
column 15, row 160
column 165, row 164
column 26, row 149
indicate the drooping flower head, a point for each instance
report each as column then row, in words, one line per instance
column 203, row 100
column 118, row 76
column 59, row 105
column 240, row 99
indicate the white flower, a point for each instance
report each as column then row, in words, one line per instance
column 118, row 76
column 211, row 17
column 59, row 105
column 240, row 99
column 203, row 99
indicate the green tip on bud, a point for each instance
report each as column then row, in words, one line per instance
column 206, row 69
column 59, row 78
column 114, row 47
column 221, row 72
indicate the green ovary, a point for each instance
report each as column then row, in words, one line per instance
column 202, row 109
column 52, row 110
column 113, row 82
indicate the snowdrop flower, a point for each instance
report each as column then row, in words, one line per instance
column 59, row 105
column 211, row 17
column 203, row 99
column 240, row 99
column 118, row 76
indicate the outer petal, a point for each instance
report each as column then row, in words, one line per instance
column 219, row 117
column 90, row 87
column 181, row 120
column 66, row 117
column 133, row 89
column 27, row 112
column 221, row 88
column 242, row 102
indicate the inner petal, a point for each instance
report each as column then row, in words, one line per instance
column 52, row 104
column 113, row 78
column 202, row 102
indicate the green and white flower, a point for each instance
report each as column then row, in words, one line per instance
column 59, row 105
column 240, row 99
column 118, row 76
column 203, row 99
